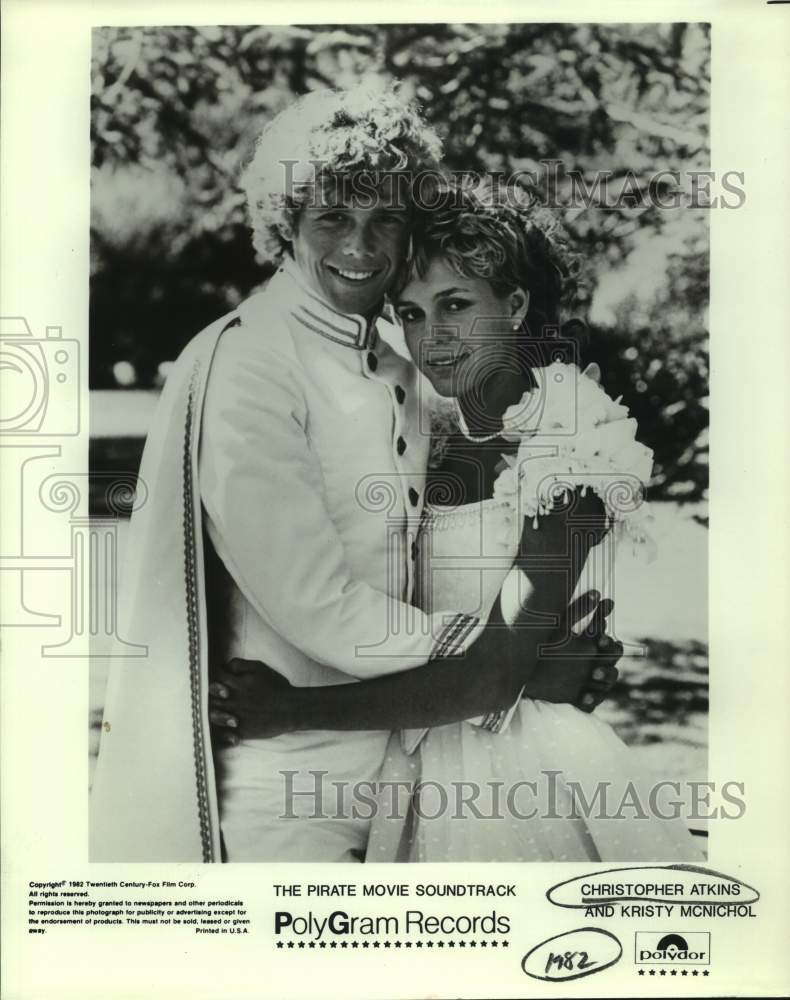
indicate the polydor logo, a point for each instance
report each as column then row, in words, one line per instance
column 672, row 948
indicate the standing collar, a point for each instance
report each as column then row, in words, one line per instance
column 314, row 313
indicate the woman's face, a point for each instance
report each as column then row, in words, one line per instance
column 458, row 330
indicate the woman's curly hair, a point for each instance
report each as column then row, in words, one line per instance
column 328, row 135
column 500, row 234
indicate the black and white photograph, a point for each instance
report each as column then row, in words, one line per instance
column 416, row 566
column 393, row 518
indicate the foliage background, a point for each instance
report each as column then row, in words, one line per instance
column 175, row 112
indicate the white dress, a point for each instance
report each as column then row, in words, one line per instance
column 525, row 773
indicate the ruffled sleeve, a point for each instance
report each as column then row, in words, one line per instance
column 572, row 435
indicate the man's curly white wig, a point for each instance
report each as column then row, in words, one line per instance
column 368, row 129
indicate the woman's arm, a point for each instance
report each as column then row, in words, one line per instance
column 255, row 701
column 553, row 554
column 504, row 660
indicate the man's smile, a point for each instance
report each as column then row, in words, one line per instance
column 353, row 274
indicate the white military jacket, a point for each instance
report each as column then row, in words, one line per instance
column 294, row 437
column 312, row 469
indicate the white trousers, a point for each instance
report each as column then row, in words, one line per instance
column 298, row 797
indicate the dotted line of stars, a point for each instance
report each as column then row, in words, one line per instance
column 394, row 944
column 674, row 972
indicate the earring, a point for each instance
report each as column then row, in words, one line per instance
column 516, row 326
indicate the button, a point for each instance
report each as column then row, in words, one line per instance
column 400, row 394
column 373, row 361
column 414, row 496
column 401, row 446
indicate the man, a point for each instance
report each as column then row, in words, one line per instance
column 286, row 474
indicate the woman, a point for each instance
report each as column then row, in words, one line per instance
column 542, row 781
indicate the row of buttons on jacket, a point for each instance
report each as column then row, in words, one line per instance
column 400, row 445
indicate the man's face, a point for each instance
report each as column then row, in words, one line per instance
column 350, row 251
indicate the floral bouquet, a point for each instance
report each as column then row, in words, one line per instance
column 572, row 435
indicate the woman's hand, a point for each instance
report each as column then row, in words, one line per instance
column 582, row 671
column 250, row 700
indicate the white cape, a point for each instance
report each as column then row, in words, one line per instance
column 154, row 794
